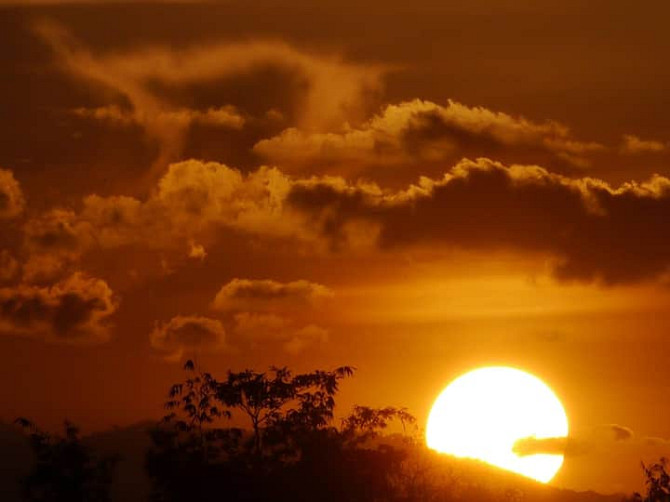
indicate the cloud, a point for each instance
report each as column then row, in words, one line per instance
column 260, row 326
column 54, row 231
column 178, row 118
column 604, row 436
column 271, row 313
column 420, row 132
column 246, row 294
column 655, row 441
column 11, row 196
column 590, row 230
column 75, row 310
column 550, row 446
column 615, row 432
column 197, row 251
column 195, row 194
column 632, row 145
column 53, row 243
column 331, row 89
column 302, row 338
column 188, row 333
column 595, row 231
column 193, row 199
column 9, row 266
column 267, row 328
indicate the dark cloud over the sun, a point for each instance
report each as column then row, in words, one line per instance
column 604, row 437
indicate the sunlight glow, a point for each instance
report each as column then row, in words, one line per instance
column 481, row 415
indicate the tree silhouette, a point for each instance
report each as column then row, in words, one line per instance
column 195, row 399
column 293, row 451
column 369, row 421
column 657, row 481
column 65, row 470
column 186, row 459
column 278, row 400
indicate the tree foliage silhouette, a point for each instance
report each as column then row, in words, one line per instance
column 369, row 421
column 187, row 448
column 657, row 481
column 65, row 470
column 278, row 399
column 292, row 452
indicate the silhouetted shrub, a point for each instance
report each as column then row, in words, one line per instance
column 657, row 481
column 64, row 469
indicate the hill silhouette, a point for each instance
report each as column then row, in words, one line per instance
column 132, row 484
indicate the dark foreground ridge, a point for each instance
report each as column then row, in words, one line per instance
column 255, row 436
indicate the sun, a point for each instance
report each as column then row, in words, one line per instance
column 483, row 413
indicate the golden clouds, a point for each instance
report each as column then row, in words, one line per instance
column 11, row 196
column 270, row 312
column 258, row 314
column 192, row 199
column 418, row 132
column 267, row 329
column 302, row 338
column 245, row 294
column 75, row 310
column 335, row 185
column 180, row 118
column 632, row 145
column 593, row 231
column 196, row 194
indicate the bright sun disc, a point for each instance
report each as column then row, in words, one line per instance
column 483, row 413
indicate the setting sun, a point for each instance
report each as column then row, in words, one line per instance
column 482, row 414
column 402, row 251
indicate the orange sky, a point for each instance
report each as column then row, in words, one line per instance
column 416, row 189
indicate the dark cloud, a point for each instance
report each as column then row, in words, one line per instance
column 615, row 432
column 52, row 244
column 246, row 294
column 550, row 446
column 603, row 437
column 332, row 89
column 595, row 231
column 75, row 310
column 188, row 333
